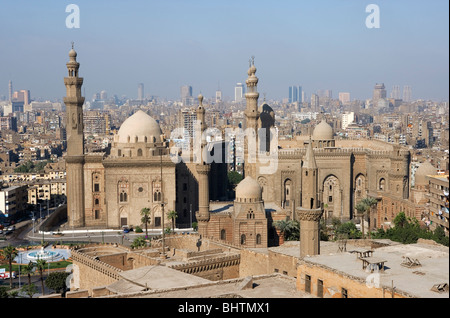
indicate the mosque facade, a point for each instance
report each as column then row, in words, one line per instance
column 110, row 190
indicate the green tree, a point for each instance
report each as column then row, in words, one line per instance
column 146, row 219
column 139, row 242
column 172, row 214
column 29, row 289
column 289, row 229
column 370, row 203
column 361, row 208
column 40, row 265
column 57, row 281
column 9, row 253
column 28, row 270
column 234, row 178
column 348, row 230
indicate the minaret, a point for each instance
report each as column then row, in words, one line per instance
column 75, row 143
column 310, row 211
column 251, row 117
column 203, row 174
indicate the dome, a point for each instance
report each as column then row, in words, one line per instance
column 323, row 131
column 425, row 169
column 72, row 53
column 248, row 189
column 139, row 125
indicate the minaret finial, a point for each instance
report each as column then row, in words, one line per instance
column 253, row 60
column 72, row 45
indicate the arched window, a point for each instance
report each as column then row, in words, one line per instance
column 139, row 152
column 223, row 235
column 243, row 239
column 258, row 239
column 96, row 201
column 381, row 184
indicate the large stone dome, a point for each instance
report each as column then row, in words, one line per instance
column 139, row 125
column 323, row 131
column 248, row 190
column 425, row 169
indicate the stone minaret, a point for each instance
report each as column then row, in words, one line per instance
column 75, row 143
column 251, row 118
column 203, row 174
column 310, row 211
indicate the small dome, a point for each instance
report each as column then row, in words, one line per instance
column 139, row 125
column 72, row 53
column 425, row 169
column 248, row 189
column 323, row 131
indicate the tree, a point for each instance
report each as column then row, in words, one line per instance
column 348, row 230
column 40, row 265
column 29, row 289
column 361, row 208
column 57, row 281
column 370, row 203
column 139, row 242
column 9, row 253
column 32, row 289
column 146, row 219
column 289, row 229
column 172, row 214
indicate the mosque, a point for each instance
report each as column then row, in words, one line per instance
column 316, row 177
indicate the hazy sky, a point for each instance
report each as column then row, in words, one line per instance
column 317, row 44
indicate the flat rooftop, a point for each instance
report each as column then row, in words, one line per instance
column 416, row 281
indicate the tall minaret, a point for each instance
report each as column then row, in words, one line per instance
column 251, row 117
column 310, row 211
column 203, row 174
column 75, row 143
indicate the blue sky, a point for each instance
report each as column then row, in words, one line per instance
column 322, row 44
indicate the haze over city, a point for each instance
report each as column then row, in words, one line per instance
column 207, row 44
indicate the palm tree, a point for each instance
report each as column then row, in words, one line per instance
column 146, row 219
column 370, row 203
column 361, row 208
column 28, row 270
column 40, row 265
column 172, row 214
column 9, row 253
column 283, row 226
column 139, row 242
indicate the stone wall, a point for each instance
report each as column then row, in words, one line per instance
column 334, row 283
column 253, row 263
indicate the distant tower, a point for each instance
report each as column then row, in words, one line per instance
column 310, row 211
column 379, row 92
column 140, row 91
column 203, row 174
column 10, row 91
column 251, row 117
column 238, row 92
column 75, row 143
column 406, row 93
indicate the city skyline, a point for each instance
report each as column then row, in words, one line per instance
column 171, row 44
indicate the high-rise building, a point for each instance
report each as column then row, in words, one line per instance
column 238, row 92
column 218, row 96
column 379, row 92
column 407, row 93
column 344, row 98
column 22, row 96
column 10, row 91
column 293, row 94
column 140, row 91
column 395, row 94
column 314, row 102
column 186, row 95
